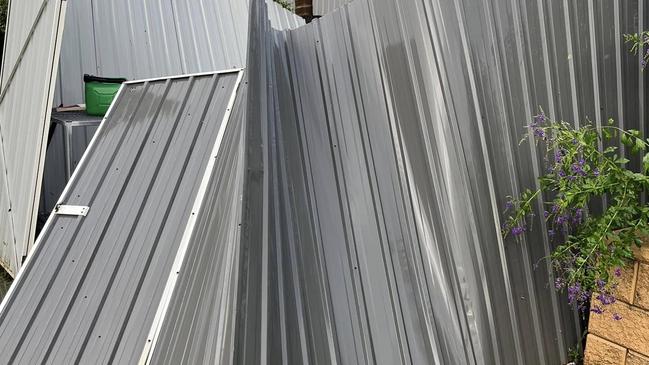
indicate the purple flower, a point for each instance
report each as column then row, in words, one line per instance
column 600, row 284
column 616, row 317
column 561, row 219
column 546, row 213
column 539, row 119
column 597, row 310
column 555, row 209
column 576, row 219
column 517, row 231
column 562, row 173
column 596, row 171
column 551, row 232
column 538, row 132
column 577, row 168
column 559, row 283
column 574, row 292
column 509, row 205
column 558, row 156
column 606, row 299
column 618, row 272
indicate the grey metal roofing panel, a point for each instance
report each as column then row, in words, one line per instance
column 198, row 326
column 143, row 39
column 28, row 74
column 90, row 291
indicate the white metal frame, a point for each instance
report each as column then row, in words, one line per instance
column 26, row 232
column 165, row 300
column 184, row 76
column 46, row 128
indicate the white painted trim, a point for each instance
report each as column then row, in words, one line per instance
column 73, row 179
column 165, row 300
column 58, row 41
column 174, row 77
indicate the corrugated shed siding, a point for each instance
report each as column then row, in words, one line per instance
column 281, row 18
column 28, row 72
column 324, row 7
column 391, row 148
column 144, row 39
column 90, row 291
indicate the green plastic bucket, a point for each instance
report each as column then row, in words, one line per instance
column 100, row 92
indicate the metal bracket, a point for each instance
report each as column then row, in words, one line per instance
column 78, row 210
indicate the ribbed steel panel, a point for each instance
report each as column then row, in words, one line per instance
column 392, row 133
column 281, row 18
column 144, row 39
column 198, row 326
column 90, row 291
column 324, row 7
column 28, row 75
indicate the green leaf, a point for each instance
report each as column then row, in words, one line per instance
column 606, row 133
column 625, row 140
column 645, row 163
column 622, row 160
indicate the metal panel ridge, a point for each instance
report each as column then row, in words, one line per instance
column 90, row 291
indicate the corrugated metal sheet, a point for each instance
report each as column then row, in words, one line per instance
column 281, row 18
column 324, row 7
column 199, row 322
column 90, row 291
column 391, row 132
column 144, row 39
column 28, row 74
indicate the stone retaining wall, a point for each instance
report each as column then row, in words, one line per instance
column 623, row 342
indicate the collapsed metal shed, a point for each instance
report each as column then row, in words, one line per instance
column 32, row 43
column 380, row 142
column 137, row 39
column 109, row 257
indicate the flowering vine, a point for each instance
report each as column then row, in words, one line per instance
column 593, row 206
